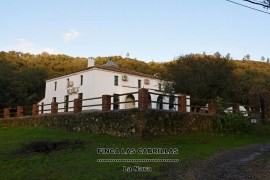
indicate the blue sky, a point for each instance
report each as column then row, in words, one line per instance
column 157, row 30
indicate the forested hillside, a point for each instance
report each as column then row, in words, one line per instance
column 210, row 77
column 22, row 76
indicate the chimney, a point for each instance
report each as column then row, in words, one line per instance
column 91, row 62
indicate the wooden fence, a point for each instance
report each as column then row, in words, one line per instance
column 144, row 101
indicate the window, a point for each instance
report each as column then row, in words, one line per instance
column 116, row 80
column 80, row 96
column 81, row 80
column 139, row 83
column 115, row 101
column 54, row 99
column 55, row 85
column 66, row 103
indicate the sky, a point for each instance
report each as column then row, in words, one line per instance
column 148, row 30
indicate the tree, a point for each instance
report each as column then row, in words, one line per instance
column 202, row 77
column 246, row 57
column 262, row 58
column 264, row 3
column 6, row 72
column 228, row 56
column 27, row 86
column 217, row 55
column 127, row 55
column 20, row 84
column 268, row 60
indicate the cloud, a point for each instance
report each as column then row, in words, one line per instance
column 27, row 46
column 71, row 35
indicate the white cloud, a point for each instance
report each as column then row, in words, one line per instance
column 27, row 46
column 71, row 35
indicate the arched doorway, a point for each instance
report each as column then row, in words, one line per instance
column 130, row 102
column 149, row 101
column 160, row 102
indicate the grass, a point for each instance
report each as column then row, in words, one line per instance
column 80, row 162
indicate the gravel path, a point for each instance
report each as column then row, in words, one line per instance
column 251, row 162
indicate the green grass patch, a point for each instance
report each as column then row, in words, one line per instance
column 71, row 160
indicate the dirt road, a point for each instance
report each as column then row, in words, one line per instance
column 252, row 162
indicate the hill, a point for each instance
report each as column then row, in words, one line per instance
column 23, row 75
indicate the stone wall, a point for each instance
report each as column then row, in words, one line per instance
column 138, row 123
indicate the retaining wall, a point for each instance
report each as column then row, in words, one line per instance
column 138, row 123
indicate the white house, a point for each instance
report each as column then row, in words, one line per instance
column 108, row 79
column 242, row 109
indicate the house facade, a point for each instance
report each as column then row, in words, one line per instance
column 108, row 79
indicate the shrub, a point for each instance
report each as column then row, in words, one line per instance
column 233, row 122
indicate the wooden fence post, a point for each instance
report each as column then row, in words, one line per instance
column 20, row 111
column 35, row 110
column 182, row 103
column 106, row 102
column 143, row 98
column 6, row 113
column 54, row 108
column 236, row 107
column 77, row 105
column 212, row 107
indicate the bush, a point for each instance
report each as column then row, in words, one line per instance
column 233, row 122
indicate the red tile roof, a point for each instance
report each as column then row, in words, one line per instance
column 125, row 71
column 113, row 69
